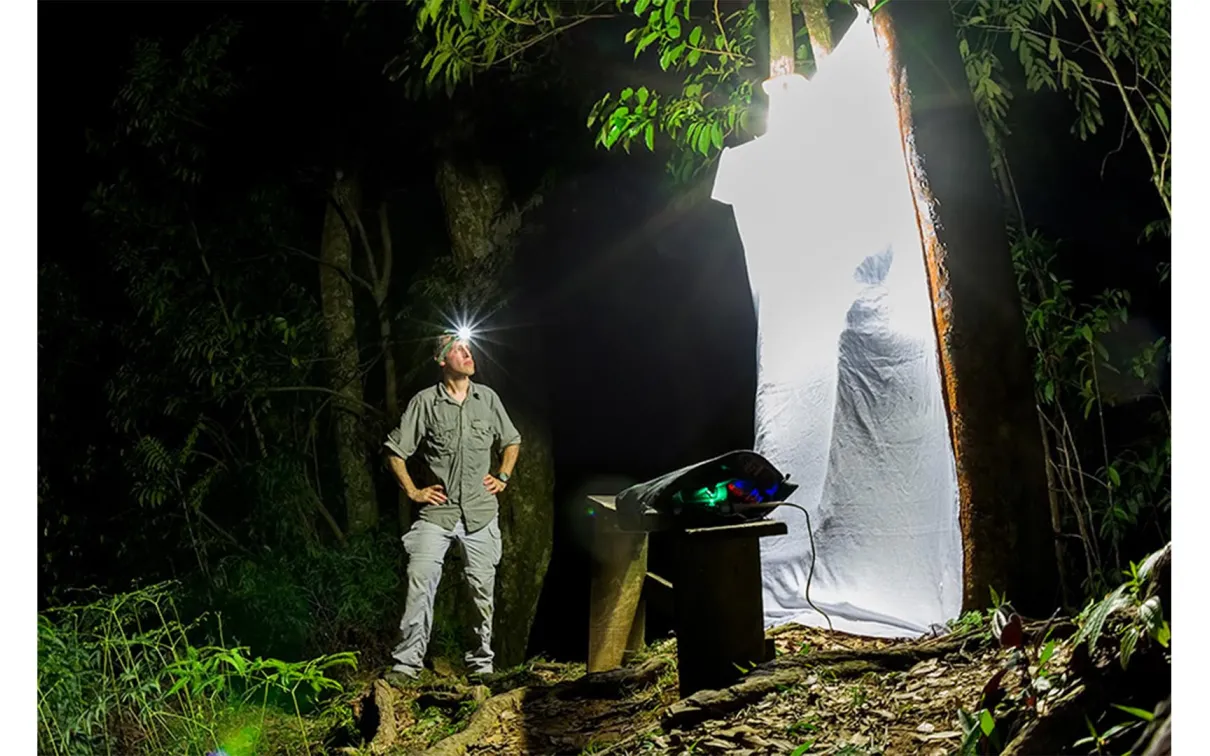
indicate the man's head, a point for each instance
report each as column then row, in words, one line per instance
column 454, row 356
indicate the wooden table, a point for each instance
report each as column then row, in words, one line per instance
column 715, row 592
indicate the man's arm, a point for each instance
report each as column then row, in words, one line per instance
column 510, row 441
column 402, row 443
column 430, row 495
column 508, row 459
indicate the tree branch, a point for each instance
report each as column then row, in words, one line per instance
column 1157, row 176
column 388, row 254
column 346, row 273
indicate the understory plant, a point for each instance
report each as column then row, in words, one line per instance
column 124, row 675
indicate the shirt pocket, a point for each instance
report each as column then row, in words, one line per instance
column 443, row 440
column 481, row 435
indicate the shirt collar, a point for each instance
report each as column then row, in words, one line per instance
column 471, row 391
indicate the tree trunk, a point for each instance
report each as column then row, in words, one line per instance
column 781, row 38
column 340, row 336
column 474, row 198
column 988, row 384
column 819, row 27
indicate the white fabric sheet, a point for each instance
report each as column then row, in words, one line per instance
column 849, row 399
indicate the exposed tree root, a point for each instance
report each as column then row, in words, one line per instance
column 614, row 684
column 484, row 718
column 384, row 701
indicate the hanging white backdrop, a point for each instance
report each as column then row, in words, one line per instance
column 849, row 398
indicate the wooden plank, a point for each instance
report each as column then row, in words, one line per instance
column 750, row 529
column 658, row 594
column 719, row 615
column 619, row 571
column 655, row 521
column 651, row 522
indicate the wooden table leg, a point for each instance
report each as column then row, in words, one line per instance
column 619, row 569
column 719, row 616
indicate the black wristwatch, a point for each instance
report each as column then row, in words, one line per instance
column 502, row 477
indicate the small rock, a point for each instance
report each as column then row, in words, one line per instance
column 925, row 727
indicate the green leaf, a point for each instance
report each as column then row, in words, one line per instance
column 649, row 135
column 1086, row 332
column 670, row 11
column 464, row 11
column 1142, row 714
column 674, row 28
column 693, row 57
column 986, row 722
column 1047, row 651
column 1162, row 115
column 645, row 42
column 641, row 6
column 716, row 135
column 642, row 95
column 695, row 36
column 1114, row 478
column 802, row 748
column 626, row 94
column 1129, row 639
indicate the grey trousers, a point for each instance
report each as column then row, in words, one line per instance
column 426, row 544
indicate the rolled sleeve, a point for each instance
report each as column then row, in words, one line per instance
column 506, row 433
column 405, row 439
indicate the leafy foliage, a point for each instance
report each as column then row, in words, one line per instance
column 710, row 53
column 1077, row 348
column 1085, row 48
column 122, row 675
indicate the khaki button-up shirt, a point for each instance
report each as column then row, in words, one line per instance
column 455, row 441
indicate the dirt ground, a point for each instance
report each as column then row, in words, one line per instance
column 829, row 711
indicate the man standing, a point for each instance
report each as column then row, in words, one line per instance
column 453, row 424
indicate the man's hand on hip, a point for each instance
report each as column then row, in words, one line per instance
column 430, row 495
column 493, row 484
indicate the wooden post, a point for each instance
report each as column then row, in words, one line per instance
column 619, row 569
column 719, row 614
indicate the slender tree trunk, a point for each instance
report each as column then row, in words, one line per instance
column 819, row 28
column 986, row 376
column 781, row 38
column 340, row 335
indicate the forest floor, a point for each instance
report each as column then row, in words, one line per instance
column 824, row 693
